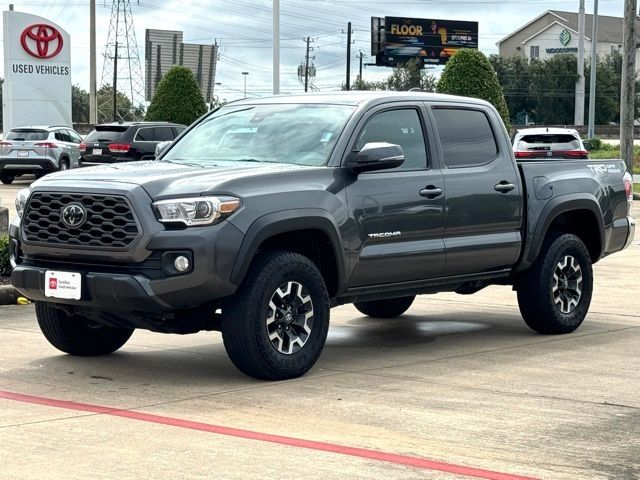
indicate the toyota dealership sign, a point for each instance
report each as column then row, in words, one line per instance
column 37, row 69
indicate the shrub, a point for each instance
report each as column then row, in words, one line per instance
column 5, row 267
column 593, row 144
column 469, row 73
column 178, row 98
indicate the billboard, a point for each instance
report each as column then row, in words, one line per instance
column 37, row 72
column 395, row 40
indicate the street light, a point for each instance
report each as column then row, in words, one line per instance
column 245, row 83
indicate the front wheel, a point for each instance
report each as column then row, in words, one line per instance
column 275, row 326
column 390, row 308
column 555, row 293
column 76, row 335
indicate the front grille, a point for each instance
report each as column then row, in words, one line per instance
column 109, row 221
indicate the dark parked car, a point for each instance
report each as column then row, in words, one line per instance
column 126, row 142
column 268, row 212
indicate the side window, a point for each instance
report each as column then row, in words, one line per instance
column 74, row 137
column 179, row 130
column 163, row 133
column 400, row 127
column 466, row 137
column 144, row 135
column 59, row 136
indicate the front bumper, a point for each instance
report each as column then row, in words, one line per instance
column 128, row 287
column 632, row 231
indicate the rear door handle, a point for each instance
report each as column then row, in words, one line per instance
column 431, row 191
column 504, row 187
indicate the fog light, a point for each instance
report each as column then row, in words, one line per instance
column 181, row 263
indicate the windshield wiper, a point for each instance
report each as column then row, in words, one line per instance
column 180, row 161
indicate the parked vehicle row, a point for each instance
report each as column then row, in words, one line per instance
column 39, row 150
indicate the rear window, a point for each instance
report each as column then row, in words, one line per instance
column 106, row 134
column 27, row 135
column 549, row 142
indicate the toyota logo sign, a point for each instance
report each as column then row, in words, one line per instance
column 41, row 40
column 74, row 215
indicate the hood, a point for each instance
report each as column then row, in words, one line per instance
column 164, row 179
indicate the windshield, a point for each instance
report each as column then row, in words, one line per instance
column 27, row 135
column 549, row 142
column 106, row 134
column 287, row 133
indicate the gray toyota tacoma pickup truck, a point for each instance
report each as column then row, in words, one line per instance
column 266, row 213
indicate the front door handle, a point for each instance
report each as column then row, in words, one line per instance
column 431, row 191
column 504, row 187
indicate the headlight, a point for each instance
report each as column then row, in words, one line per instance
column 195, row 211
column 21, row 200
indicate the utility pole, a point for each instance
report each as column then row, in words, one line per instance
column 348, row 82
column 360, row 69
column 276, row 47
column 579, row 107
column 115, row 84
column 306, row 66
column 627, row 94
column 594, row 67
column 244, row 74
column 93, row 105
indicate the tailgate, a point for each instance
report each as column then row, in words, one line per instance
column 19, row 150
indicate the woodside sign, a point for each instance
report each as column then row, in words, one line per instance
column 37, row 68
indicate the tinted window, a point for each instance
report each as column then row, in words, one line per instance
column 400, row 127
column 163, row 133
column 466, row 137
column 145, row 135
column 27, row 135
column 179, row 130
column 106, row 134
column 548, row 142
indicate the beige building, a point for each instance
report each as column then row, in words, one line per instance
column 556, row 32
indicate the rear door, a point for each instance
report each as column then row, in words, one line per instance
column 24, row 145
column 98, row 142
column 483, row 201
column 399, row 224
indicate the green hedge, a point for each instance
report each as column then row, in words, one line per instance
column 5, row 267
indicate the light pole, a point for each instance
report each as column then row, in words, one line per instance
column 245, row 83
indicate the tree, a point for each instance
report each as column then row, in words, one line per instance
column 553, row 87
column 79, row 105
column 125, row 110
column 404, row 78
column 514, row 75
column 177, row 99
column 469, row 73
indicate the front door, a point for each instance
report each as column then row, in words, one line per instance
column 397, row 212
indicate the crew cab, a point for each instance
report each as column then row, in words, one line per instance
column 368, row 198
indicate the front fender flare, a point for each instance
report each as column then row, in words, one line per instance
column 288, row 221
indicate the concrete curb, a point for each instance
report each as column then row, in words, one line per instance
column 8, row 295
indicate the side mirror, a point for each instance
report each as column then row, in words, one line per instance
column 162, row 146
column 376, row 156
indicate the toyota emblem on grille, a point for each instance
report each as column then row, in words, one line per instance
column 74, row 215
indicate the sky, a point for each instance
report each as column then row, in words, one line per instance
column 243, row 29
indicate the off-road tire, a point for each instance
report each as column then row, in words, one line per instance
column 536, row 286
column 390, row 308
column 244, row 317
column 7, row 178
column 76, row 335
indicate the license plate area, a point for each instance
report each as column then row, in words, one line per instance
column 96, row 151
column 66, row 285
column 23, row 153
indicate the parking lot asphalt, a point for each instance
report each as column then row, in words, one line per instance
column 458, row 387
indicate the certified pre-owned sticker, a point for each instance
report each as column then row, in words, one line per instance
column 603, row 168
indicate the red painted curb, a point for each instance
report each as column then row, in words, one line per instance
column 410, row 461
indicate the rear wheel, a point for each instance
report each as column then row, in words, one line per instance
column 7, row 178
column 76, row 335
column 555, row 293
column 276, row 324
column 64, row 165
column 390, row 308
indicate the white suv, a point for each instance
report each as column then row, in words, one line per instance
column 549, row 143
column 38, row 150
